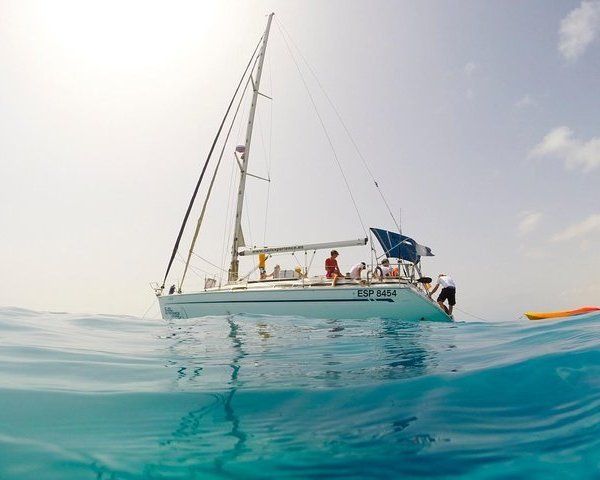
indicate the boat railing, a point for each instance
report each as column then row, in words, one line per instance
column 322, row 280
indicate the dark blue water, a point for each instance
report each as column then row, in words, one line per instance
column 107, row 397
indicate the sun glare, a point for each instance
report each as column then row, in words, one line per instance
column 121, row 34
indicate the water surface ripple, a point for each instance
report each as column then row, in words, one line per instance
column 251, row 397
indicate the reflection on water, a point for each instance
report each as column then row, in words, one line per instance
column 192, row 429
column 256, row 351
column 404, row 347
column 230, row 415
column 254, row 355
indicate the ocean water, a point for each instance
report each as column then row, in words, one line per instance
column 251, row 397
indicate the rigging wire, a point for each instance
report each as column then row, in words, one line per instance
column 228, row 214
column 248, row 223
column 228, row 225
column 197, row 271
column 247, row 210
column 337, row 160
column 267, row 164
column 268, row 179
column 267, row 209
column 470, row 314
column 332, row 105
column 149, row 308
column 228, row 232
column 209, row 262
column 192, row 200
column 193, row 268
column 210, row 187
column 269, row 154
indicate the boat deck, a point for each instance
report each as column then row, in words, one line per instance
column 311, row 282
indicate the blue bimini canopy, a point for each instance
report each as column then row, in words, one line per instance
column 400, row 246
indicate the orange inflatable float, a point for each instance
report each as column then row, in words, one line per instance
column 564, row 313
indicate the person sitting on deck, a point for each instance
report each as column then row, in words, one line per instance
column 331, row 268
column 383, row 270
column 299, row 272
column 276, row 272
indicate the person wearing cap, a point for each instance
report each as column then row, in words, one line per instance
column 448, row 292
column 356, row 270
column 331, row 268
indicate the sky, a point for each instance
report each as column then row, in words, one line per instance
column 480, row 122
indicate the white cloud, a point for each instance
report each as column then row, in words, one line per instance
column 575, row 153
column 529, row 222
column 525, row 101
column 470, row 68
column 554, row 143
column 589, row 225
column 579, row 29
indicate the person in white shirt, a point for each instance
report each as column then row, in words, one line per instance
column 384, row 270
column 448, row 292
column 357, row 269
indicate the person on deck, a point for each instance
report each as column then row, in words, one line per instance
column 331, row 268
column 357, row 269
column 276, row 271
column 448, row 292
column 384, row 270
column 299, row 272
column 275, row 274
column 262, row 265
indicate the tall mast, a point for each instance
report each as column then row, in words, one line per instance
column 237, row 235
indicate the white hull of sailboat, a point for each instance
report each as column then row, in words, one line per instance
column 402, row 302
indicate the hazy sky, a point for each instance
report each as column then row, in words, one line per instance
column 479, row 120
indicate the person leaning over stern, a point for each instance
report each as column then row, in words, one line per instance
column 356, row 271
column 448, row 292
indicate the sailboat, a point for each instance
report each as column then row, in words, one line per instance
column 403, row 294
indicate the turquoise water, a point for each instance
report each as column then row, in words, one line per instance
column 109, row 397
